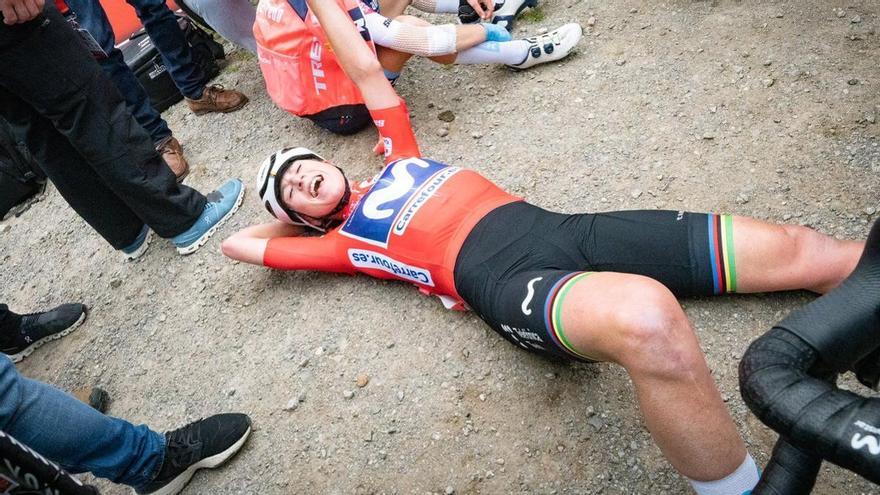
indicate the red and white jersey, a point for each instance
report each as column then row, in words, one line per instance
column 301, row 71
column 407, row 223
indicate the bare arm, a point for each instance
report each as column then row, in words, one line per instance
column 353, row 54
column 249, row 245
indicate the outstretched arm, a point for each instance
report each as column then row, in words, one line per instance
column 360, row 64
column 249, row 245
column 353, row 54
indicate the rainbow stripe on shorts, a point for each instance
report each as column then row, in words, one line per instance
column 721, row 253
column 553, row 313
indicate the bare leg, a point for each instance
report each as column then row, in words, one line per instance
column 393, row 8
column 771, row 257
column 636, row 322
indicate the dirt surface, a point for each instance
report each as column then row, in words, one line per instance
column 766, row 109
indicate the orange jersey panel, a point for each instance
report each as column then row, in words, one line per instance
column 301, row 71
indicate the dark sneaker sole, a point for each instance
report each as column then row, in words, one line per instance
column 55, row 336
column 176, row 485
column 201, row 241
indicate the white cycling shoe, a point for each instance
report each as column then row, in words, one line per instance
column 505, row 13
column 550, row 47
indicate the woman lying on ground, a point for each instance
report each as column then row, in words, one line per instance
column 303, row 75
column 592, row 287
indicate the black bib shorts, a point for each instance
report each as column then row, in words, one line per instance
column 519, row 261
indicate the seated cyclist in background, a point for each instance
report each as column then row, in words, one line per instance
column 303, row 75
column 591, row 287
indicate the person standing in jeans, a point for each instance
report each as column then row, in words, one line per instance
column 60, row 103
column 161, row 25
column 79, row 438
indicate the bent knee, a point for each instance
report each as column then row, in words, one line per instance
column 655, row 335
column 799, row 241
column 412, row 20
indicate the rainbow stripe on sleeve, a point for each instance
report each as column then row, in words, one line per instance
column 721, row 253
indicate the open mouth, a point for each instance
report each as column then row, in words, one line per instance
column 315, row 185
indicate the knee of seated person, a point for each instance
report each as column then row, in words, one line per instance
column 654, row 332
column 412, row 20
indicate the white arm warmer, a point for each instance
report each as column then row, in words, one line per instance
column 427, row 41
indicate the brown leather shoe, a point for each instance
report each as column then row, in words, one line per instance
column 172, row 153
column 217, row 99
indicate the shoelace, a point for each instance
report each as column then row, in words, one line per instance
column 182, row 446
column 214, row 197
column 168, row 150
column 213, row 90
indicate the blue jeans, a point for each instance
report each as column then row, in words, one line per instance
column 162, row 28
column 74, row 435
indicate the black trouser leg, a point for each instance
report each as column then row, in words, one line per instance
column 78, row 183
column 44, row 64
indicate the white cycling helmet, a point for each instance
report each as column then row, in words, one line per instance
column 269, row 186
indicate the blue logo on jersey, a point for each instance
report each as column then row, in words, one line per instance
column 400, row 184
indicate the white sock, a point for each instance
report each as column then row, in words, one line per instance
column 495, row 52
column 739, row 482
column 437, row 6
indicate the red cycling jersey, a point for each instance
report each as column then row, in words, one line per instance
column 407, row 223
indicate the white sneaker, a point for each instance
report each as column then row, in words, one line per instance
column 504, row 14
column 507, row 12
column 550, row 47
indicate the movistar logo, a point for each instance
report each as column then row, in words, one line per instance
column 399, row 192
column 401, row 185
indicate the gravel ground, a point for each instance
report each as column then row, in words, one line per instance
column 766, row 109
